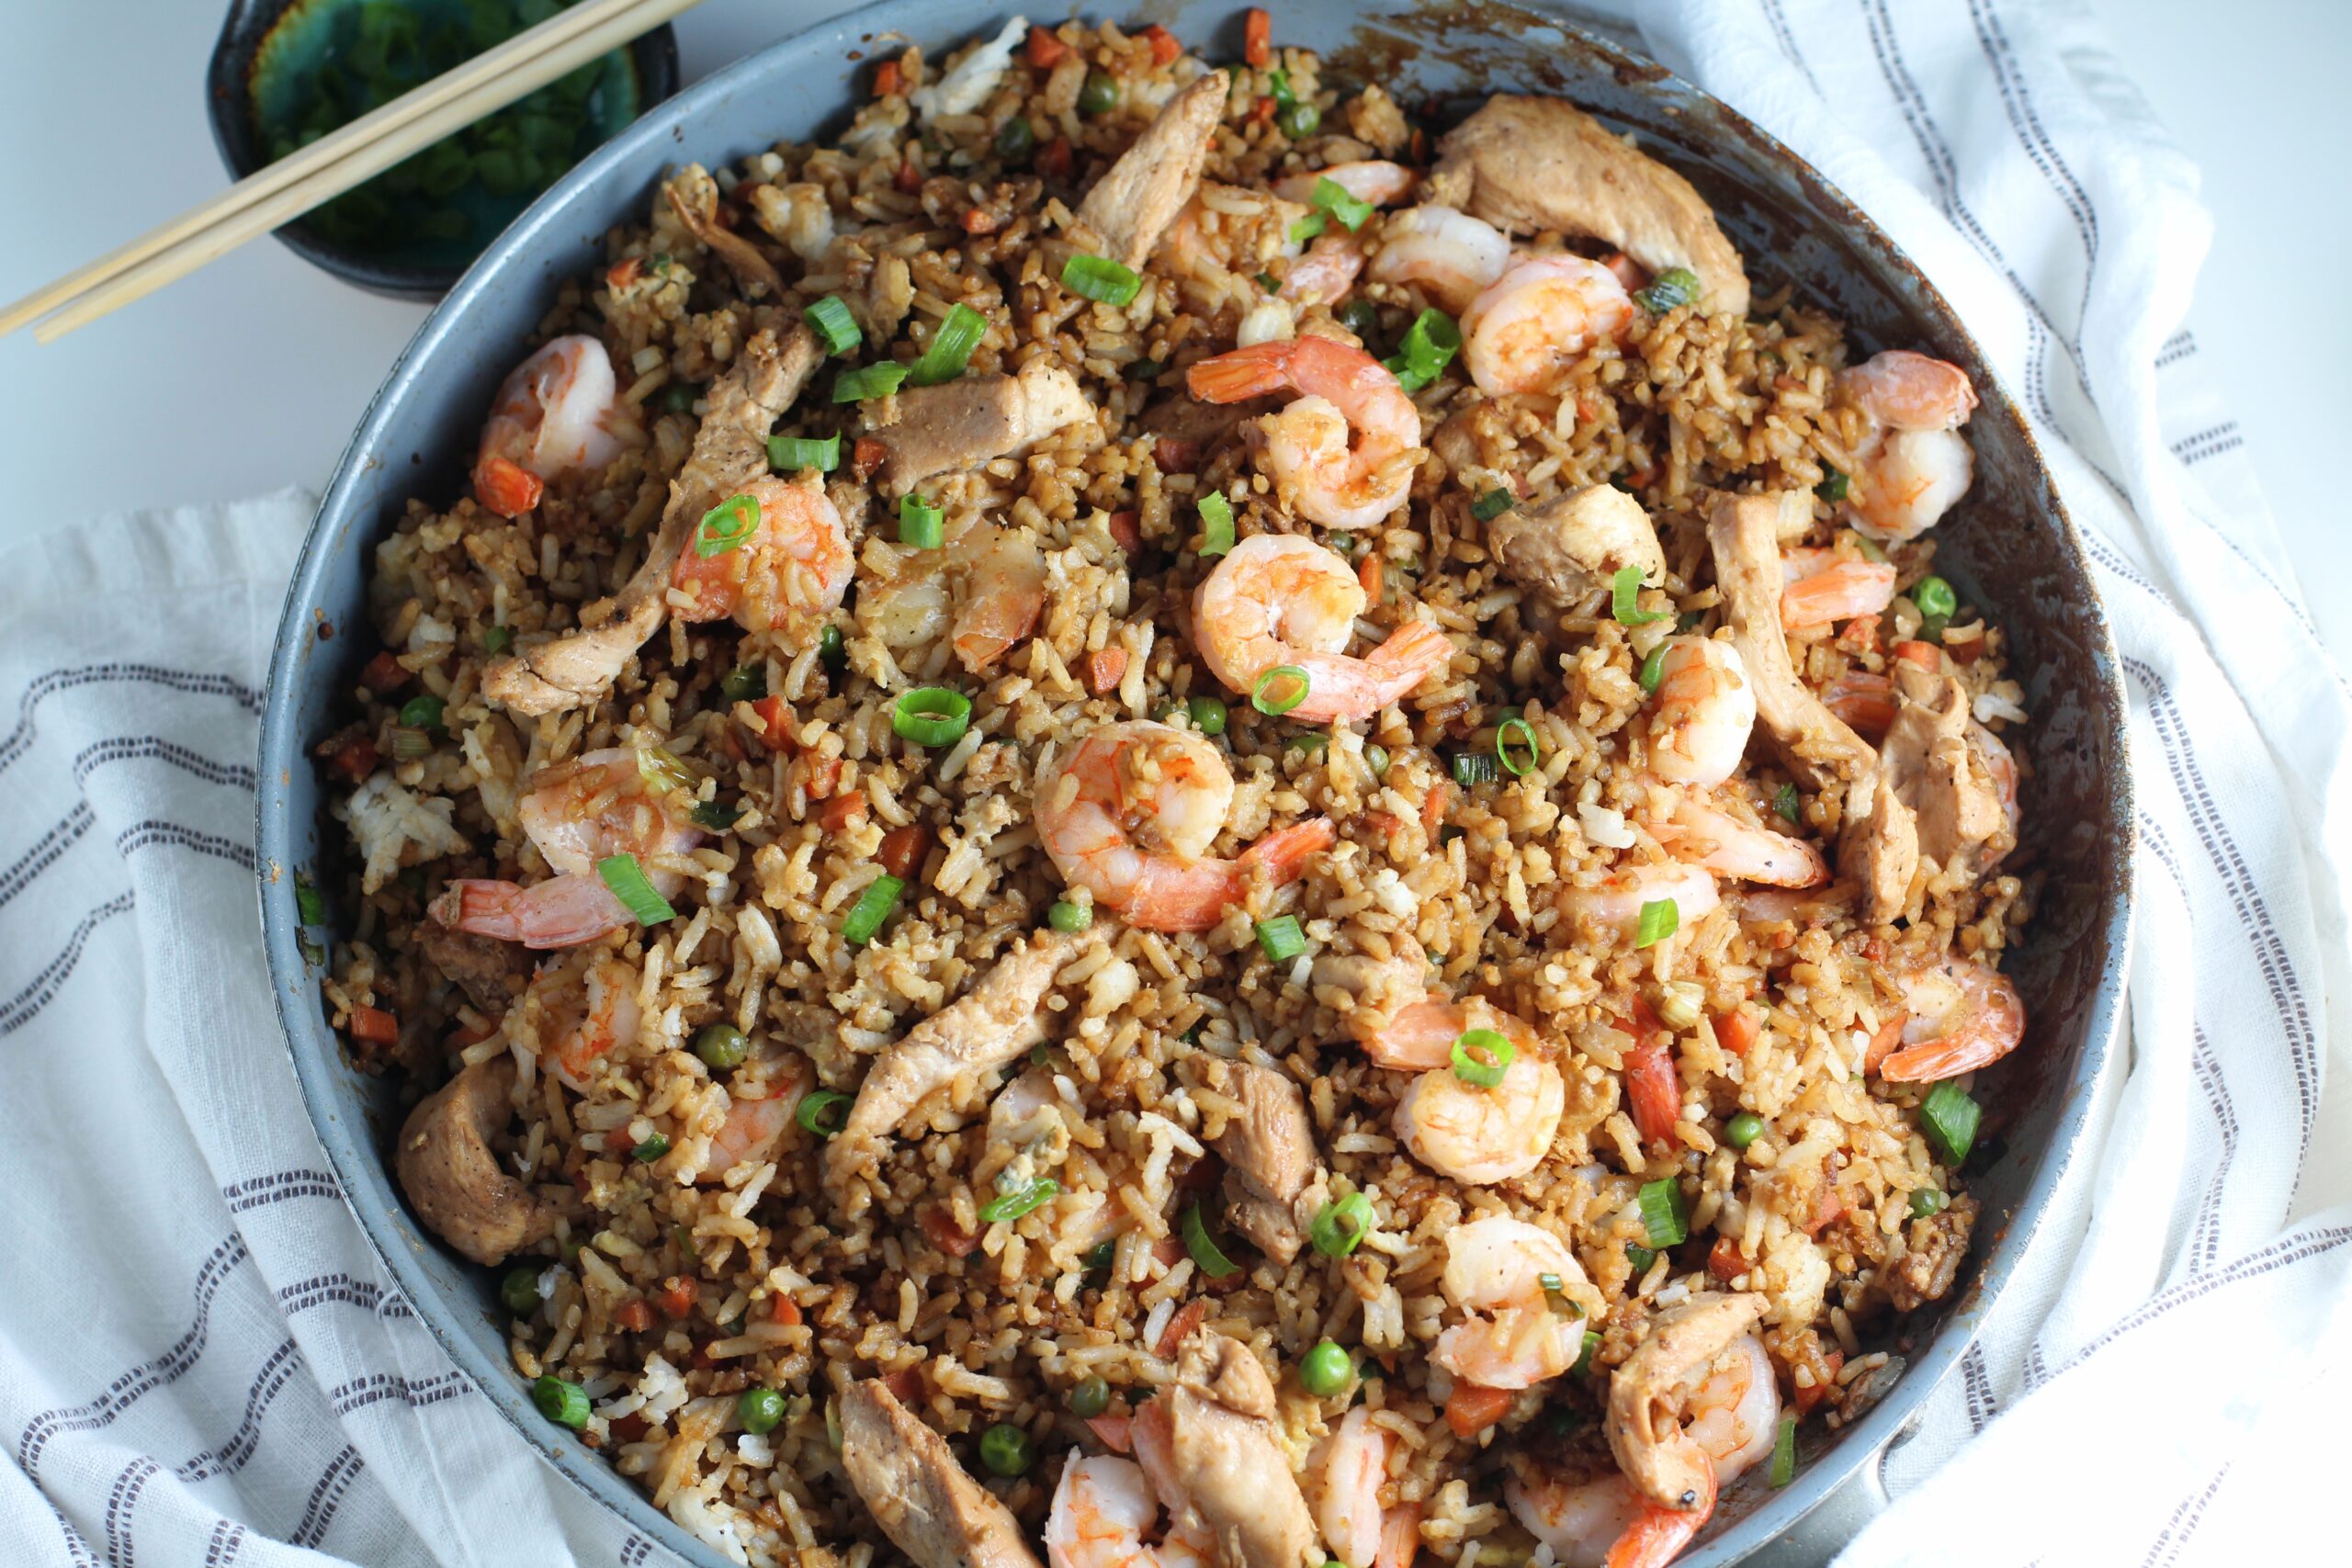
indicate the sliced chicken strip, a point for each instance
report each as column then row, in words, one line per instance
column 1877, row 847
column 1645, row 1393
column 962, row 424
column 1273, row 1183
column 452, row 1177
column 693, row 195
column 995, row 1022
column 1744, row 532
column 933, row 1512
column 1208, row 1443
column 1138, row 197
column 1528, row 165
column 730, row 451
column 1942, row 776
column 1573, row 546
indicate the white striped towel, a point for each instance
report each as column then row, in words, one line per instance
column 201, row 1362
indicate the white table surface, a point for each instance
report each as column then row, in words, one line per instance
column 251, row 373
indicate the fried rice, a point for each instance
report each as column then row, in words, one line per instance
column 984, row 1279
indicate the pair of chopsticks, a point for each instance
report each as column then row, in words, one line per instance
column 336, row 163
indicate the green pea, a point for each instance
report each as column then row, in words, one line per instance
column 831, row 652
column 1100, row 95
column 1006, row 1450
column 1935, row 597
column 1743, row 1130
column 1090, row 1399
column 1327, row 1369
column 722, row 1046
column 1015, row 139
column 1301, row 120
column 745, row 683
column 1208, row 715
column 760, row 1409
column 679, row 397
column 1066, row 916
column 520, row 1290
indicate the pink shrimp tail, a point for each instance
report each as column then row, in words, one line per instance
column 1658, row 1534
column 1408, row 656
column 1193, row 896
column 563, row 911
column 1257, row 371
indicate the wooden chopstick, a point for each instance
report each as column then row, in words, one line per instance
column 338, row 162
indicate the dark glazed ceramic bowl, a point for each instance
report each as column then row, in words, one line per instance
column 2010, row 544
column 653, row 58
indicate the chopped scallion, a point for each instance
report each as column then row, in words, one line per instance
column 1832, row 485
column 727, row 525
column 1516, row 747
column 307, row 900
column 831, row 320
column 1308, row 227
column 1951, row 1118
column 1491, row 505
column 498, row 639
column 1654, row 668
column 920, row 524
column 868, row 381
column 1337, row 1230
column 1204, row 1247
column 790, row 454
column 1675, row 286
column 1279, row 690
column 1101, row 279
column 959, row 334
column 1624, row 601
column 1429, row 346
column 1216, row 524
column 822, row 1112
column 1281, row 938
column 1658, row 920
column 1784, row 1453
column 1785, row 805
column 1482, row 1056
column 1584, row 1357
column 1022, row 1200
column 716, row 816
column 1474, row 768
column 932, row 716
column 873, row 907
column 634, row 888
column 1329, row 196
column 1665, row 1213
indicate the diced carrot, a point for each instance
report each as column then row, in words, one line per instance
column 1641, row 478
column 1825, row 1208
column 1053, row 159
column 634, row 1314
column 1164, row 47
column 842, row 811
column 908, row 179
column 1181, row 1325
column 1262, row 111
column 902, row 849
column 1808, row 1397
column 1104, row 666
column 1258, row 38
column 865, row 454
column 886, row 79
column 1735, row 1032
column 1882, row 1044
column 676, row 1296
column 383, row 674
column 775, row 723
column 821, row 776
column 1860, row 634
column 354, row 758
column 624, row 272
column 1113, row 1429
column 1725, row 1259
column 1368, row 574
column 1926, row 655
column 375, row 1026
column 1127, row 528
column 1046, row 50
column 1388, row 824
column 906, row 1383
column 1433, row 809
column 1473, row 1407
column 472, row 1034
column 1654, row 1090
column 783, row 1309
column 979, row 221
column 946, row 1235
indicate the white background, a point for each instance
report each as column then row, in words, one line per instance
column 251, row 373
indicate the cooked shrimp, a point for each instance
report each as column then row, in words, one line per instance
column 1375, row 180
column 796, row 562
column 1326, row 272
column 1718, row 842
column 1962, row 1015
column 1343, row 1477
column 1341, row 390
column 1003, row 591
column 1705, row 707
column 576, row 814
column 752, row 1129
column 1280, row 599
column 1129, row 814
column 560, row 411
column 1451, row 254
column 1481, row 1135
column 1914, row 465
column 1420, row 1037
column 1617, row 900
column 1822, row 588
column 1529, row 325
column 1601, row 1519
column 1513, row 1336
column 601, row 1019
column 1101, row 1510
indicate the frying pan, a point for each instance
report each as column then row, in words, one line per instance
column 2010, row 545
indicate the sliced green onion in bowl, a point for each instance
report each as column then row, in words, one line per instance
column 423, row 712
column 1556, row 1295
column 1329, row 196
column 873, row 907
column 1101, row 279
column 790, row 454
column 959, row 333
column 1279, row 690
column 1280, row 938
column 1204, row 1247
column 1675, row 286
column 1339, row 1228
column 932, row 716
column 1517, row 748
column 1785, row 805
column 408, row 742
column 497, row 639
column 1021, row 1201
column 1951, row 1118
column 1308, row 227
column 1660, row 919
column 727, row 525
column 1665, row 1213
column 822, row 1112
column 1428, row 347
column 1216, row 524
column 1833, row 486
column 868, row 381
column 716, row 815
column 565, row 1404
column 308, row 901
column 1654, row 668
column 630, row 884
column 831, row 320
column 1483, row 1057
column 1492, row 504
column 1584, row 1357
column 1145, row 370
column 1474, row 768
column 1624, row 599
column 1640, row 1257
column 651, row 1149
column 1784, row 1453
column 920, row 524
